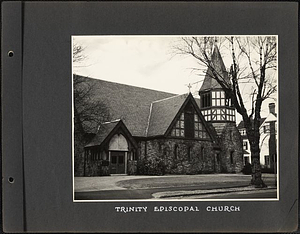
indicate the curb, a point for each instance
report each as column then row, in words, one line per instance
column 169, row 194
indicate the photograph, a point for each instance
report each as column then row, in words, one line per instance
column 175, row 118
column 150, row 117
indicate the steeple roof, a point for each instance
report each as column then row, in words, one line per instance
column 209, row 82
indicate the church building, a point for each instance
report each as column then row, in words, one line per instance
column 157, row 133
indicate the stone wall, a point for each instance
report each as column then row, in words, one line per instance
column 231, row 149
column 176, row 156
column 95, row 166
column 181, row 156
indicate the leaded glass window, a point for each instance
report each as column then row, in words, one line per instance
column 178, row 130
column 200, row 131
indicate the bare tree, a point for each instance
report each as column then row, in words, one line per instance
column 89, row 113
column 253, row 62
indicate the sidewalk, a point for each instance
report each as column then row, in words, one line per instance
column 208, row 192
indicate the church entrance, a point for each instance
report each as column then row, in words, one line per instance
column 118, row 154
column 117, row 165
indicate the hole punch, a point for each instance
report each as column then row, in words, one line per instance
column 11, row 180
column 10, row 53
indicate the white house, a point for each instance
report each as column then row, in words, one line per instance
column 268, row 140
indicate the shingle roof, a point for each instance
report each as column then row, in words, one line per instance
column 241, row 124
column 102, row 133
column 143, row 112
column 218, row 64
column 129, row 103
column 162, row 113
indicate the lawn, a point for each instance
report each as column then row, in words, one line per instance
column 219, row 180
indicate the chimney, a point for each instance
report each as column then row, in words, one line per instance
column 272, row 108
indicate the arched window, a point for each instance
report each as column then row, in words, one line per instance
column 189, row 153
column 218, row 157
column 118, row 142
column 175, row 151
column 231, row 157
column 165, row 152
column 202, row 153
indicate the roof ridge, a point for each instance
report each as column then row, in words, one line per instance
column 113, row 121
column 126, row 85
column 164, row 99
column 149, row 117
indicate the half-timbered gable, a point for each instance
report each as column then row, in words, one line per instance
column 189, row 123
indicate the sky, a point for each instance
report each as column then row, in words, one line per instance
column 145, row 61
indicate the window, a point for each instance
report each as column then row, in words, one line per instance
column 207, row 114
column 104, row 155
column 134, row 155
column 145, row 148
column 218, row 98
column 189, row 153
column 245, row 145
column 246, row 160
column 231, row 157
column 228, row 101
column 93, row 155
column 189, row 125
column 243, row 132
column 230, row 115
column 189, row 121
column 202, row 153
column 165, row 152
column 230, row 134
column 114, row 160
column 205, row 99
column 267, row 160
column 200, row 131
column 266, row 128
column 175, row 151
column 218, row 157
column 131, row 155
column 178, row 130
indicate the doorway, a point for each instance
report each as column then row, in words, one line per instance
column 117, row 163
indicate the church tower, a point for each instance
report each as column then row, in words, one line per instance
column 215, row 106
